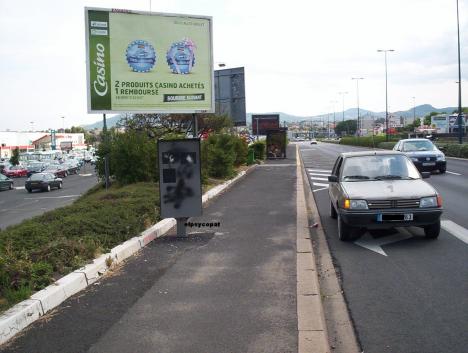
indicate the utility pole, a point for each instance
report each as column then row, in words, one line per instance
column 460, row 122
column 357, row 95
column 386, row 91
column 342, row 95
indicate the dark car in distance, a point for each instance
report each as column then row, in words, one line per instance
column 43, row 181
column 5, row 183
column 423, row 153
column 381, row 190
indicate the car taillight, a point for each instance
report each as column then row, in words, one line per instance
column 439, row 201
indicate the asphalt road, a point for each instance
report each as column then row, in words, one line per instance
column 415, row 298
column 17, row 205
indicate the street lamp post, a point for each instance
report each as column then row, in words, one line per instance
column 334, row 116
column 386, row 91
column 63, row 123
column 357, row 95
column 342, row 95
column 460, row 131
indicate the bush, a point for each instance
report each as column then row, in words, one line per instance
column 132, row 157
column 259, row 148
column 386, row 145
column 241, row 149
column 367, row 141
column 218, row 156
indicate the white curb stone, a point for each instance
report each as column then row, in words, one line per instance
column 126, row 249
column 18, row 317
column 50, row 297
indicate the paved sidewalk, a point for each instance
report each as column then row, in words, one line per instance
column 228, row 289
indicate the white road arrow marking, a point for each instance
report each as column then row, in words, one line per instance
column 368, row 242
column 321, row 184
column 455, row 229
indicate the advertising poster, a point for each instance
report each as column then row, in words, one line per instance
column 180, row 178
column 276, row 143
column 148, row 62
column 263, row 122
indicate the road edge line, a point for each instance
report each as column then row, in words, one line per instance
column 24, row 313
column 311, row 326
column 340, row 324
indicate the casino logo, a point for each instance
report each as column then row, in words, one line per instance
column 141, row 56
column 181, row 56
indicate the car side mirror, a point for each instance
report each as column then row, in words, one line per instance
column 426, row 175
column 332, row 178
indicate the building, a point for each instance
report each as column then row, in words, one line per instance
column 34, row 141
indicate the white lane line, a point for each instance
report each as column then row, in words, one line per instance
column 320, row 184
column 455, row 229
column 319, row 170
column 452, row 173
column 319, row 174
column 315, row 178
column 319, row 189
column 85, row 174
column 50, row 197
column 19, row 187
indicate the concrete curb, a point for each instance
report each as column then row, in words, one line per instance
column 23, row 314
column 312, row 329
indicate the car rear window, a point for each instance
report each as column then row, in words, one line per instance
column 37, row 177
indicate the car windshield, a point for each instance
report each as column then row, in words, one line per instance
column 38, row 177
column 378, row 167
column 420, row 145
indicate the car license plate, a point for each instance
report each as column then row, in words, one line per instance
column 408, row 217
column 394, row 217
column 428, row 164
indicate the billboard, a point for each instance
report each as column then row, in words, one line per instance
column 180, row 178
column 440, row 123
column 264, row 122
column 230, row 94
column 145, row 62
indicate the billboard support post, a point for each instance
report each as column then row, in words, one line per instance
column 195, row 125
column 106, row 157
column 181, row 228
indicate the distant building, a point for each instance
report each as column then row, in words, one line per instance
column 62, row 141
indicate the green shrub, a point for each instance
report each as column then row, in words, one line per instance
column 386, row 145
column 241, row 149
column 218, row 156
column 453, row 150
column 259, row 148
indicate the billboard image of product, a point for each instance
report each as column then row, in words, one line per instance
column 147, row 62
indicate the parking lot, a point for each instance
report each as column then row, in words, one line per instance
column 17, row 205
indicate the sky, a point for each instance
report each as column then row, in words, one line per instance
column 298, row 54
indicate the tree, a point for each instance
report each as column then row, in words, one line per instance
column 15, row 157
column 464, row 110
column 348, row 126
column 427, row 118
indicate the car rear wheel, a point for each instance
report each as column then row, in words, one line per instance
column 29, row 190
column 432, row 231
column 442, row 170
column 333, row 213
column 344, row 230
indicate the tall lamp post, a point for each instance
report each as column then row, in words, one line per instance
column 357, row 95
column 333, row 102
column 386, row 91
column 460, row 131
column 63, row 123
column 342, row 94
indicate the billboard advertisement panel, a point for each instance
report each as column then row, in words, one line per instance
column 180, row 178
column 230, row 94
column 264, row 122
column 147, row 62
